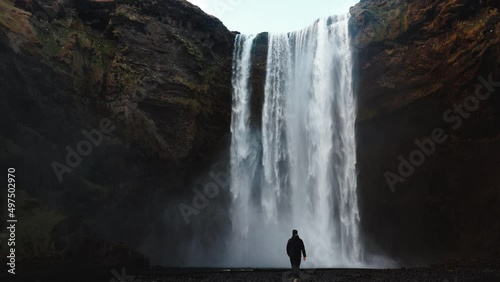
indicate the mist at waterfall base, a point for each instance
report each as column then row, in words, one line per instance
column 298, row 169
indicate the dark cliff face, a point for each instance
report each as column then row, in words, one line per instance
column 150, row 83
column 417, row 61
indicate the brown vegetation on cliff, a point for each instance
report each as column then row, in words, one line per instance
column 160, row 71
column 416, row 61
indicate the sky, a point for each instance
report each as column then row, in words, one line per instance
column 254, row 16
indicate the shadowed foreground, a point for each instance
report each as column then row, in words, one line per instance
column 424, row 275
column 483, row 274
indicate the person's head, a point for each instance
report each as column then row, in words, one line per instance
column 294, row 232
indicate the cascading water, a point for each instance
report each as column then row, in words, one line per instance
column 298, row 171
column 243, row 158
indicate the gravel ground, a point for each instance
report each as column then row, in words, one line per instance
column 413, row 275
column 436, row 274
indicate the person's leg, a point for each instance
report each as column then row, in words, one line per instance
column 295, row 266
column 298, row 268
column 295, row 271
column 292, row 263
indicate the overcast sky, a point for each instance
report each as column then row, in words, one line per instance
column 254, row 16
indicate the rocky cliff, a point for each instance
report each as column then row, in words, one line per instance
column 428, row 134
column 106, row 109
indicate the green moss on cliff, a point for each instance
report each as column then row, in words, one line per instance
column 191, row 48
column 130, row 13
column 192, row 104
column 196, row 87
column 37, row 224
column 380, row 20
column 66, row 38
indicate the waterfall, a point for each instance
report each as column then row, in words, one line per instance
column 243, row 155
column 298, row 171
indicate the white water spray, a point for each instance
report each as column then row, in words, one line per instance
column 299, row 171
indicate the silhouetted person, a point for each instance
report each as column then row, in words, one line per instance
column 295, row 248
